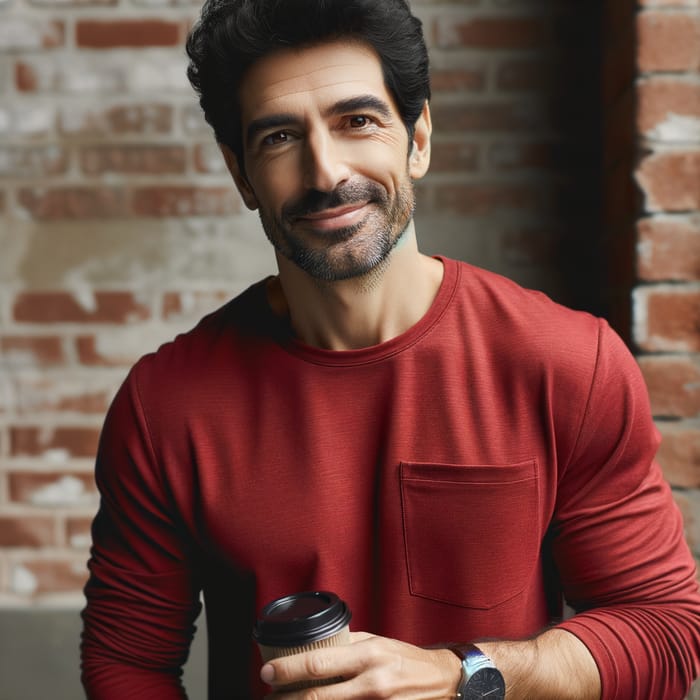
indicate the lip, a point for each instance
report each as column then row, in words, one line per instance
column 336, row 218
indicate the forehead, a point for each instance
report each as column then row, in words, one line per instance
column 291, row 80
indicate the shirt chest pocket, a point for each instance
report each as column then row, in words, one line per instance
column 472, row 533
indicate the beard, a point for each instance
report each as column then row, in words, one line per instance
column 349, row 252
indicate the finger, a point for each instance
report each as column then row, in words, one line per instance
column 360, row 637
column 319, row 664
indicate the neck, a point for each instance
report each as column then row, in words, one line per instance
column 360, row 312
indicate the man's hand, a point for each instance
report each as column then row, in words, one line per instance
column 372, row 667
column 553, row 666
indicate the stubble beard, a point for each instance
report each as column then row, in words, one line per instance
column 357, row 251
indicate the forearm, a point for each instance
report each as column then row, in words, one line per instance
column 556, row 665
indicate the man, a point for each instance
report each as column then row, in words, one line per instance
column 448, row 452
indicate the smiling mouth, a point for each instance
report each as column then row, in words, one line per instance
column 338, row 217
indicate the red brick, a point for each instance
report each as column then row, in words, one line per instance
column 30, row 441
column 661, row 101
column 194, row 304
column 671, row 180
column 32, row 350
column 23, row 33
column 688, row 502
column 505, row 116
column 35, row 393
column 668, row 41
column 674, row 385
column 51, row 576
column 668, row 318
column 208, row 159
column 514, row 155
column 668, row 3
column 73, row 202
column 113, row 33
column 78, row 532
column 161, row 201
column 118, row 120
column 487, row 199
column 458, row 80
column 679, row 454
column 669, row 249
column 530, row 246
column 32, row 161
column 72, row 3
column 25, row 77
column 133, row 160
column 454, row 157
column 494, row 32
column 524, row 74
column 27, row 531
column 63, row 307
column 52, row 489
column 89, row 355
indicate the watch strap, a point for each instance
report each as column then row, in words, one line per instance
column 473, row 660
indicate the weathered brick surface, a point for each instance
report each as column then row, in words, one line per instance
column 51, row 490
column 669, row 248
column 670, row 180
column 679, row 454
column 674, row 384
column 667, row 303
column 138, row 159
column 108, row 34
column 669, row 108
column 27, row 530
column 668, row 318
column 64, row 441
column 669, row 41
column 119, row 226
column 31, row 351
column 63, row 307
column 25, row 33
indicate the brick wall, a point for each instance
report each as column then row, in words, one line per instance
column 119, row 226
column 667, row 297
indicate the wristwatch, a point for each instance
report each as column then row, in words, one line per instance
column 480, row 677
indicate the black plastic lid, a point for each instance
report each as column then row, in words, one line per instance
column 300, row 619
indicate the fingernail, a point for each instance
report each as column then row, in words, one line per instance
column 267, row 673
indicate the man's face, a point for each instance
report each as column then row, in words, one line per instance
column 326, row 158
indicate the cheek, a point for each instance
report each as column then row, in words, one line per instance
column 276, row 182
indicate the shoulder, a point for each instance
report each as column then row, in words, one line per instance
column 521, row 322
column 217, row 343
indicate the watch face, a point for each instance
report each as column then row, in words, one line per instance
column 485, row 683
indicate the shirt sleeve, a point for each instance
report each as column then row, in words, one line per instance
column 142, row 596
column 619, row 542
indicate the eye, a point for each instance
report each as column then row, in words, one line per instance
column 359, row 121
column 275, row 139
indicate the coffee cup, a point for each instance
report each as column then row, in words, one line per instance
column 301, row 622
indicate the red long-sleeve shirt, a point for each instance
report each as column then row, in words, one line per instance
column 449, row 484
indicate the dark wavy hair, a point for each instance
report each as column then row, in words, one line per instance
column 231, row 35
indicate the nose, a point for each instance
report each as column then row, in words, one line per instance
column 325, row 165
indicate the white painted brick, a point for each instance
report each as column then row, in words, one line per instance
column 22, row 34
column 153, row 72
column 27, row 119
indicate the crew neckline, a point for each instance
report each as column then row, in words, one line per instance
column 373, row 353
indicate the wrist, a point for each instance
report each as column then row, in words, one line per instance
column 479, row 677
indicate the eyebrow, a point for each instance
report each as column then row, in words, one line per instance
column 352, row 104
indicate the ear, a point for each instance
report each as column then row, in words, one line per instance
column 244, row 188
column 419, row 160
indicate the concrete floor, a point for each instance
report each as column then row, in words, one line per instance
column 39, row 656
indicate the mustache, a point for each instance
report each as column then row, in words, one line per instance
column 314, row 201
